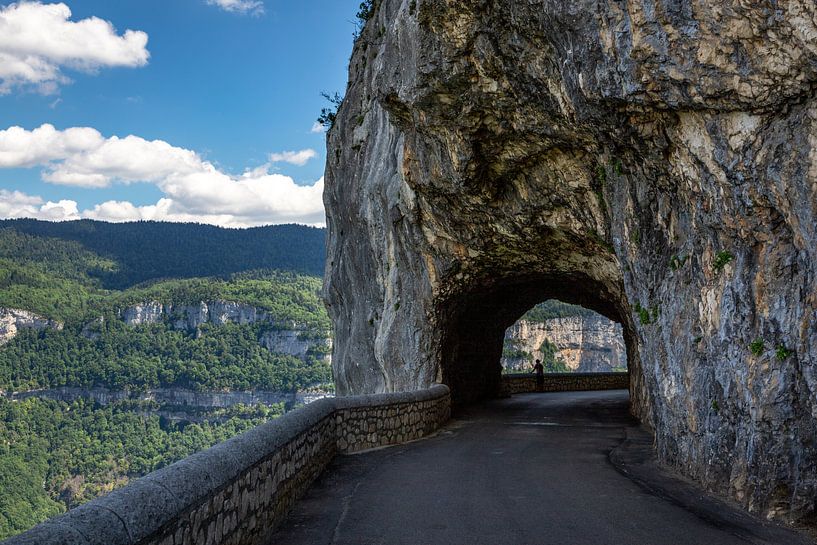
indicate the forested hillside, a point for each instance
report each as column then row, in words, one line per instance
column 136, row 307
column 149, row 250
column 553, row 308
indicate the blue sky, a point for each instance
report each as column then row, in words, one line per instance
column 220, row 88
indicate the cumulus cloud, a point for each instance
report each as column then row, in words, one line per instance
column 38, row 40
column 252, row 7
column 299, row 158
column 194, row 189
column 14, row 204
column 317, row 127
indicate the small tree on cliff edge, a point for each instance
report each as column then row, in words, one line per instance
column 364, row 13
column 330, row 114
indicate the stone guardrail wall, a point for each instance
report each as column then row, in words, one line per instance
column 236, row 492
column 565, row 382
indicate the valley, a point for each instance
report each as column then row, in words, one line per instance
column 121, row 353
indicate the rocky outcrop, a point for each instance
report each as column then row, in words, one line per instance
column 288, row 338
column 13, row 320
column 653, row 161
column 191, row 316
column 587, row 344
column 296, row 343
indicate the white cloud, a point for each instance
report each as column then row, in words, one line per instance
column 37, row 40
column 194, row 189
column 252, row 7
column 299, row 158
column 14, row 204
column 317, row 127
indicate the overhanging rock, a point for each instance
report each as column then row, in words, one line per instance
column 653, row 161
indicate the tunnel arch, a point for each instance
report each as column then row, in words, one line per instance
column 476, row 320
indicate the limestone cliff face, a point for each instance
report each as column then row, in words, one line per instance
column 291, row 338
column 654, row 161
column 193, row 316
column 587, row 344
column 13, row 320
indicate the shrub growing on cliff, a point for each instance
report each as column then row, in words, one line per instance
column 643, row 314
column 757, row 346
column 676, row 262
column 721, row 260
column 364, row 12
column 330, row 114
column 782, row 352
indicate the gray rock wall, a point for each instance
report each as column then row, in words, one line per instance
column 653, row 161
column 236, row 492
column 12, row 320
column 190, row 317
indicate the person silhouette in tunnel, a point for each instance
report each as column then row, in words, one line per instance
column 539, row 369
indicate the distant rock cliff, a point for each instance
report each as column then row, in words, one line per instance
column 12, row 320
column 187, row 316
column 288, row 338
column 587, row 344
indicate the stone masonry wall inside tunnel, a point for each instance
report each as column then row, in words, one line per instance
column 655, row 159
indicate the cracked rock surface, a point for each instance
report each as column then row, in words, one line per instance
column 655, row 161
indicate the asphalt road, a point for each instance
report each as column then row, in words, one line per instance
column 532, row 469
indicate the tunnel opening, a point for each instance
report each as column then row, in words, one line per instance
column 565, row 338
column 477, row 320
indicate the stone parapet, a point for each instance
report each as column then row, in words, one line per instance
column 236, row 492
column 565, row 382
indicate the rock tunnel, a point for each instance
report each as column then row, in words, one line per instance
column 653, row 161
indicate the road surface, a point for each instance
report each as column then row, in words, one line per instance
column 533, row 469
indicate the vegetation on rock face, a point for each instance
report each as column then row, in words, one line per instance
column 329, row 114
column 676, row 262
column 511, row 351
column 55, row 455
column 722, row 259
column 550, row 361
column 783, row 353
column 643, row 314
column 757, row 346
column 364, row 12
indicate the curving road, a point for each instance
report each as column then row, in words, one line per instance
column 532, row 469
